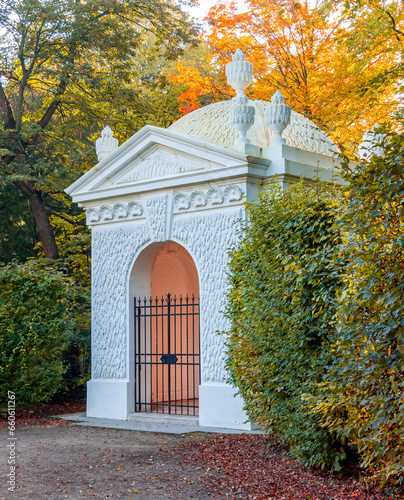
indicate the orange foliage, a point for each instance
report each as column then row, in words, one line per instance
column 201, row 77
column 328, row 69
column 197, row 85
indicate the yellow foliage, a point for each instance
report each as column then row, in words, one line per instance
column 337, row 69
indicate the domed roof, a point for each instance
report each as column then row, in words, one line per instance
column 212, row 123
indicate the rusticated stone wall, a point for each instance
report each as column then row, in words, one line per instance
column 113, row 251
column 208, row 236
column 204, row 222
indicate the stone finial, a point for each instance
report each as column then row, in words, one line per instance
column 105, row 144
column 242, row 117
column 277, row 115
column 239, row 76
column 368, row 147
column 239, row 73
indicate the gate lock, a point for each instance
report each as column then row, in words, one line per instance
column 168, row 359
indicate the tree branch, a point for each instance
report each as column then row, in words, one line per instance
column 398, row 32
column 26, row 188
column 60, row 216
column 43, row 122
column 7, row 111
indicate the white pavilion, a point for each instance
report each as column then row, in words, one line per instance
column 164, row 209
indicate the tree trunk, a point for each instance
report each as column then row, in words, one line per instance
column 44, row 228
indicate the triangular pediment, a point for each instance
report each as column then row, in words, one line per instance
column 156, row 164
column 152, row 159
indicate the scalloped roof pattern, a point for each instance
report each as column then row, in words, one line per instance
column 212, row 123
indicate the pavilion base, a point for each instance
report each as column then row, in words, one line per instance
column 109, row 398
column 220, row 407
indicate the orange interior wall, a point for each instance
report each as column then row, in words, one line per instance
column 174, row 272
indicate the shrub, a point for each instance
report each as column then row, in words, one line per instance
column 364, row 391
column 281, row 306
column 37, row 321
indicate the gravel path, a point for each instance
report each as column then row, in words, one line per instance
column 72, row 462
column 58, row 460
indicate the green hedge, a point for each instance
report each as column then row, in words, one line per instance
column 282, row 307
column 316, row 346
column 364, row 390
column 38, row 307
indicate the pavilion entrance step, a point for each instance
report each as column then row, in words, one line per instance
column 164, row 419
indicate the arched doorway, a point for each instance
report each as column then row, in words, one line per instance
column 167, row 336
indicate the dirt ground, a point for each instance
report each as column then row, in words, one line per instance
column 58, row 460
column 73, row 462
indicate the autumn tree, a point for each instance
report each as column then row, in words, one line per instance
column 56, row 57
column 339, row 70
column 375, row 30
column 202, row 79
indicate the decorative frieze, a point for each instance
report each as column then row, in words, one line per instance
column 107, row 213
column 232, row 192
column 209, row 198
column 93, row 215
column 215, row 196
column 120, row 210
column 182, row 201
column 134, row 209
column 198, row 199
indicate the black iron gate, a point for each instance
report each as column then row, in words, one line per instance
column 167, row 368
